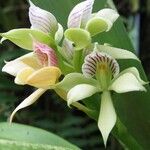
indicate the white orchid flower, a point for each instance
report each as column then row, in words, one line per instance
column 38, row 69
column 102, row 70
column 82, row 24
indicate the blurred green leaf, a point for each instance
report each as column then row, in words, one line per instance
column 30, row 137
column 13, row 145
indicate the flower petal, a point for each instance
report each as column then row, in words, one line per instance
column 97, row 25
column 126, row 82
column 13, row 67
column 135, row 72
column 73, row 79
column 23, row 75
column 116, row 53
column 42, row 19
column 30, row 60
column 80, row 92
column 107, row 117
column 80, row 14
column 45, row 54
column 67, row 49
column 44, row 78
column 109, row 15
column 28, row 101
column 59, row 34
column 23, row 37
column 80, row 37
column 91, row 61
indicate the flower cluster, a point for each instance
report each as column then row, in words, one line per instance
column 87, row 68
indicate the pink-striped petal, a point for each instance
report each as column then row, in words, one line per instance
column 91, row 61
column 45, row 54
column 80, row 14
column 42, row 20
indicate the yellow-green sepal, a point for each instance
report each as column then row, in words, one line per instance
column 24, row 37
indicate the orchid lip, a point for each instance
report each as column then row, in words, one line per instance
column 45, row 54
column 102, row 66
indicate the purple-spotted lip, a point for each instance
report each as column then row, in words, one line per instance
column 89, row 67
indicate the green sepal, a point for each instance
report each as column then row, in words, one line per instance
column 74, row 79
column 24, row 37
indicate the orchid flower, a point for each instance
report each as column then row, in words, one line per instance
column 76, row 59
column 44, row 28
column 38, row 69
column 82, row 24
column 101, row 75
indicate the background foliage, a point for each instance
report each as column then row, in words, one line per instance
column 50, row 112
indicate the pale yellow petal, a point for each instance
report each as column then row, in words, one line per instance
column 31, row 60
column 23, row 75
column 44, row 78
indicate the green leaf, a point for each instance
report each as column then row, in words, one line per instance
column 24, row 136
column 14, row 145
column 23, row 37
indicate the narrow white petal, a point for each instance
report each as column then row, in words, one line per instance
column 28, row 101
column 116, row 53
column 80, row 92
column 107, row 117
column 13, row 67
column 59, row 33
column 109, row 15
column 42, row 19
column 80, row 14
column 126, row 82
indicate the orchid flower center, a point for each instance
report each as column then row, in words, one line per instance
column 45, row 54
column 102, row 66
